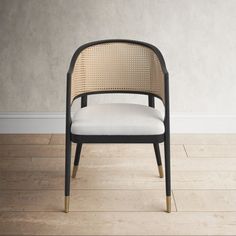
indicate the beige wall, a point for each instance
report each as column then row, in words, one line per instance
column 197, row 39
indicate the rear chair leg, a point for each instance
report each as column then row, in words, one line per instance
column 158, row 158
column 77, row 158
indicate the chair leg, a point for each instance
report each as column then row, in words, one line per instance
column 67, row 174
column 158, row 158
column 77, row 158
column 167, row 174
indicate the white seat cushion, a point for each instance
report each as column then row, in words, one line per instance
column 117, row 119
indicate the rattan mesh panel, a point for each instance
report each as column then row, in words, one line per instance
column 117, row 67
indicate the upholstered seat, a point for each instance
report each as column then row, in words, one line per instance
column 117, row 119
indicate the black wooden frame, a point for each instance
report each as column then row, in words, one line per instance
column 80, row 139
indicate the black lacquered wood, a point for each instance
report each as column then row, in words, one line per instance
column 151, row 101
column 167, row 138
column 84, row 102
column 68, row 139
column 77, row 154
column 157, row 153
column 117, row 138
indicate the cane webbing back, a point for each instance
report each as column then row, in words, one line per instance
column 117, row 66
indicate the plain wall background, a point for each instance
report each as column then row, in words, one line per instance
column 197, row 39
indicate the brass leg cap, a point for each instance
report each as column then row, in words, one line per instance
column 75, row 168
column 161, row 173
column 67, row 202
column 168, row 204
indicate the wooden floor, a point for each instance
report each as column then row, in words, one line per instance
column 117, row 190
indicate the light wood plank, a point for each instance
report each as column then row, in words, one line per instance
column 46, row 173
column 221, row 151
column 91, row 164
column 85, row 200
column 207, row 164
column 178, row 164
column 118, row 223
column 32, row 150
column 149, row 164
column 31, row 180
column 128, row 150
column 203, row 179
column 117, row 190
column 117, row 179
column 99, row 180
column 58, row 139
column 33, row 164
column 119, row 149
column 88, row 150
column 221, row 139
column 25, row 138
column 204, row 139
column 205, row 200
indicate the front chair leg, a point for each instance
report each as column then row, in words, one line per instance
column 77, row 158
column 67, row 174
column 158, row 158
column 167, row 174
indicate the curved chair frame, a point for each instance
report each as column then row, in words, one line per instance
column 80, row 139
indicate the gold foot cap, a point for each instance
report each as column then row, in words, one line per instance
column 75, row 168
column 168, row 204
column 67, row 202
column 161, row 173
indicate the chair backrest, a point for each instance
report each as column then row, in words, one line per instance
column 117, row 67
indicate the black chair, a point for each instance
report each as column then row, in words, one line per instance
column 117, row 66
